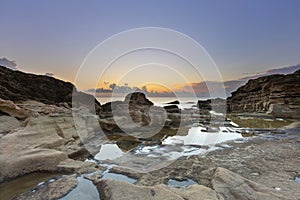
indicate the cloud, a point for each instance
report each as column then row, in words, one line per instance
column 200, row 89
column 49, row 74
column 7, row 63
column 282, row 70
column 217, row 88
column 211, row 89
column 208, row 89
column 231, row 86
column 125, row 89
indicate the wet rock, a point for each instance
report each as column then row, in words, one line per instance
column 204, row 104
column 217, row 105
column 76, row 166
column 51, row 191
column 172, row 109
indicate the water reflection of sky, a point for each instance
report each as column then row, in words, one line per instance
column 109, row 152
column 118, row 177
column 84, row 190
column 196, row 136
column 181, row 184
column 194, row 143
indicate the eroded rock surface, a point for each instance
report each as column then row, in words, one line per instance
column 42, row 142
column 135, row 113
column 271, row 163
column 8, row 124
column 275, row 95
column 115, row 190
column 223, row 184
column 8, row 107
column 232, row 186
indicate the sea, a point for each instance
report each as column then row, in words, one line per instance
column 185, row 102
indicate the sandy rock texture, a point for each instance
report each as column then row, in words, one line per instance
column 275, row 95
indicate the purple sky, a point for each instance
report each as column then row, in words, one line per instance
column 241, row 36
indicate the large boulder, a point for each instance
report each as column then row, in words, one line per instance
column 139, row 106
column 233, row 186
column 275, row 95
column 217, row 105
column 172, row 109
column 115, row 190
column 43, row 144
column 204, row 104
column 130, row 114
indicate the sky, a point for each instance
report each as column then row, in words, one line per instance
column 242, row 37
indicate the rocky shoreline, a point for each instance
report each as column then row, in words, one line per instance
column 260, row 168
column 276, row 95
column 62, row 130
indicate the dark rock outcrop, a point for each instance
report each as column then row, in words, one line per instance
column 19, row 86
column 132, row 112
column 275, row 95
column 204, row 104
column 137, row 99
column 108, row 107
column 172, row 109
column 217, row 105
column 174, row 102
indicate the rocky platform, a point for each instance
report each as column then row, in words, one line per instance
column 261, row 168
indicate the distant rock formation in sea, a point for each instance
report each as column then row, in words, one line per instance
column 275, row 95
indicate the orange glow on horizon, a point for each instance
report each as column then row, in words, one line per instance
column 153, row 87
